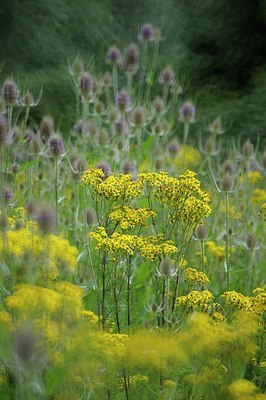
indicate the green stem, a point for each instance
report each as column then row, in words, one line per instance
column 227, row 266
column 115, row 81
column 56, row 194
column 202, row 255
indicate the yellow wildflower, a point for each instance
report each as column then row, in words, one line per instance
column 129, row 217
column 195, row 277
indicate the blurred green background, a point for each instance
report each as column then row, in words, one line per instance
column 219, row 46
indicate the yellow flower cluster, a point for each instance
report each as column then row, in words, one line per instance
column 256, row 305
column 196, row 299
column 63, row 302
column 115, row 243
column 186, row 200
column 188, row 157
column 149, row 247
column 120, row 187
column 129, row 217
column 215, row 250
column 238, row 300
column 242, row 389
column 134, row 381
column 153, row 246
column 258, row 196
column 93, row 177
column 254, row 177
column 112, row 345
column 215, row 373
column 53, row 253
column 194, row 277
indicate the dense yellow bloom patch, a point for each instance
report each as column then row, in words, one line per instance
column 195, row 299
column 149, row 247
column 215, row 250
column 188, row 157
column 52, row 253
column 129, row 217
column 63, row 302
column 120, row 187
column 194, row 277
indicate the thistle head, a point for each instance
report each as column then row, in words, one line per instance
column 187, row 112
column 46, row 127
column 158, row 105
column 147, row 32
column 247, row 150
column 113, row 55
column 167, row 76
column 86, row 85
column 173, row 148
column 227, row 183
column 131, row 58
column 56, row 146
column 46, row 219
column 201, row 232
column 10, row 93
column 123, row 100
column 139, row 116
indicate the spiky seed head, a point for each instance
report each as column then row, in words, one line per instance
column 139, row 116
column 105, row 167
column 187, row 112
column 56, row 145
column 113, row 55
column 228, row 167
column 91, row 217
column 78, row 66
column 46, row 127
column 201, row 232
column 251, row 241
column 123, row 100
column 10, row 93
column 167, row 76
column 210, row 146
column 247, row 149
column 158, row 105
column 173, row 148
column 226, row 183
column 128, row 167
column 46, row 219
column 86, row 85
column 167, row 267
column 28, row 99
column 147, row 32
column 131, row 58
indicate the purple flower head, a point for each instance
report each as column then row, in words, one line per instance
column 10, row 93
column 123, row 100
column 79, row 127
column 113, row 55
column 8, row 196
column 105, row 168
column 147, row 32
column 187, row 112
column 56, row 146
column 173, row 148
column 167, row 76
column 86, row 85
column 46, row 219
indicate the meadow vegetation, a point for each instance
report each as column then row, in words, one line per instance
column 132, row 253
